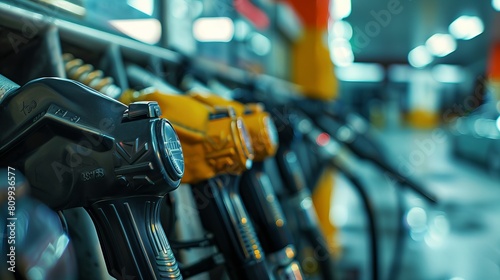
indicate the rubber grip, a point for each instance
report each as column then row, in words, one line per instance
column 263, row 206
column 132, row 238
column 222, row 212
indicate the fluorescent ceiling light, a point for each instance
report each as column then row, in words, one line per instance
column 419, row 57
column 486, row 128
column 341, row 52
column 441, row 44
column 444, row 73
column 496, row 4
column 342, row 29
column 361, row 72
column 145, row 30
column 241, row 29
column 466, row 27
column 340, row 9
column 213, row 29
column 260, row 44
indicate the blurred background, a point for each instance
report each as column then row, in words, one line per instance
column 424, row 73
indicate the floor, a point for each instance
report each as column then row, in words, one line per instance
column 459, row 238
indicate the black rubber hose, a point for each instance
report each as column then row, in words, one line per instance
column 404, row 180
column 364, row 147
column 370, row 213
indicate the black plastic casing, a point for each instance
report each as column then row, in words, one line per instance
column 78, row 147
column 223, row 214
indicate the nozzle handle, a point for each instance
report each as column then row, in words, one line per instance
column 263, row 206
column 133, row 241
column 404, row 180
column 222, row 213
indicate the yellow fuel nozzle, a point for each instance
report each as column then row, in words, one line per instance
column 214, row 140
column 260, row 125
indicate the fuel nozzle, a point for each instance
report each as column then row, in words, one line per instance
column 217, row 149
column 215, row 140
column 256, row 190
column 79, row 148
column 260, row 125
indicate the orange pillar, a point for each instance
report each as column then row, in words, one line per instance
column 312, row 66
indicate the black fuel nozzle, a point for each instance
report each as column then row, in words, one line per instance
column 79, row 148
column 223, row 214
